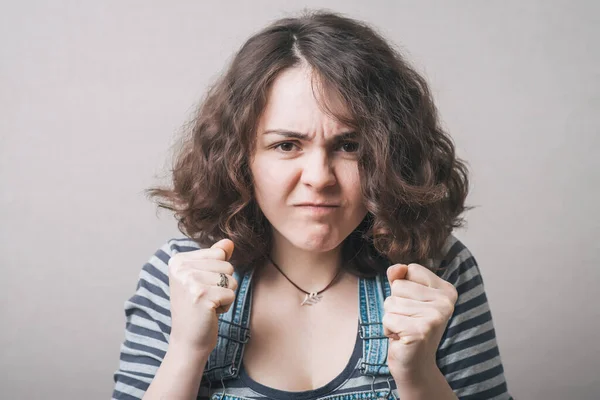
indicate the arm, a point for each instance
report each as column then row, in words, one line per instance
column 150, row 366
column 432, row 385
column 442, row 340
column 468, row 356
column 178, row 376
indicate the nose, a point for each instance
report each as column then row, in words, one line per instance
column 318, row 171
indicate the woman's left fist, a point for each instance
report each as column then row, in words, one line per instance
column 416, row 315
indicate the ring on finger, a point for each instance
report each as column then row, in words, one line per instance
column 224, row 281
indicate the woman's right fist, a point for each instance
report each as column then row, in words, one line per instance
column 195, row 297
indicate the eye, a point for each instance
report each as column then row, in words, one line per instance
column 286, row 147
column 349, row 147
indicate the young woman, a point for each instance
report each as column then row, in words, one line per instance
column 318, row 195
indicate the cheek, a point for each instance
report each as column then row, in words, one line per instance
column 261, row 176
column 270, row 182
column 350, row 181
column 353, row 194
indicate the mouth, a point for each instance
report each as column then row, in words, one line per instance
column 317, row 205
column 317, row 209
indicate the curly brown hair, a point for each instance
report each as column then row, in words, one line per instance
column 413, row 184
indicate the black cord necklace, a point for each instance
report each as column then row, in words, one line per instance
column 311, row 297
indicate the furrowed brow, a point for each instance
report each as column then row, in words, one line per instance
column 342, row 137
column 303, row 136
column 286, row 133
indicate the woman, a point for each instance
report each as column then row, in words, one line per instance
column 318, row 195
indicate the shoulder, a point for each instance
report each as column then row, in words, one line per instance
column 454, row 251
column 174, row 246
column 180, row 245
column 456, row 263
column 468, row 345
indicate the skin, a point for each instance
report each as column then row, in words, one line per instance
column 318, row 163
column 319, row 167
column 287, row 172
column 416, row 315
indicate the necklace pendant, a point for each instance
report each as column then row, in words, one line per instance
column 312, row 298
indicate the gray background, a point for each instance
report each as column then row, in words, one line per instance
column 92, row 94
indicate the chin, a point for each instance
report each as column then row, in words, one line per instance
column 316, row 244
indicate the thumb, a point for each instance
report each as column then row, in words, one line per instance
column 226, row 245
column 397, row 271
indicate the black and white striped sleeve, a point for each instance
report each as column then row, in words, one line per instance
column 468, row 354
column 147, row 324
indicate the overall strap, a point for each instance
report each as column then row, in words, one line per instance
column 372, row 293
column 224, row 361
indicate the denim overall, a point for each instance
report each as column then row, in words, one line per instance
column 225, row 360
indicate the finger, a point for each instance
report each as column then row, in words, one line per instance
column 221, row 298
column 415, row 291
column 209, row 278
column 396, row 271
column 397, row 326
column 202, row 254
column 408, row 307
column 230, row 281
column 222, row 309
column 227, row 246
column 209, row 265
column 214, row 296
column 422, row 275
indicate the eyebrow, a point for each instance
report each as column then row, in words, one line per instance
column 304, row 136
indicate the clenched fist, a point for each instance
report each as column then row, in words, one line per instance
column 416, row 315
column 195, row 297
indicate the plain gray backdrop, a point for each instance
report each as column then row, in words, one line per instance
column 92, row 95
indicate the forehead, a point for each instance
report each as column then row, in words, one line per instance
column 295, row 102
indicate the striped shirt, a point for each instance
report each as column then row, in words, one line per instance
column 467, row 356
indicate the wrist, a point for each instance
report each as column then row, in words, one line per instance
column 424, row 385
column 184, row 351
column 416, row 376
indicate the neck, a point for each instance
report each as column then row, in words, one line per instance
column 311, row 271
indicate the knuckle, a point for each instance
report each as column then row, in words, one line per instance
column 386, row 319
column 423, row 330
column 229, row 268
column 198, row 291
column 216, row 253
column 387, row 303
column 234, row 283
column 206, row 252
column 413, row 266
column 453, row 294
column 450, row 306
column 438, row 317
column 230, row 296
column 189, row 263
column 450, row 289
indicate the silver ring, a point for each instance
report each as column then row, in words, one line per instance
column 224, row 282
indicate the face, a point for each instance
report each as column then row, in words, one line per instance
column 305, row 168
